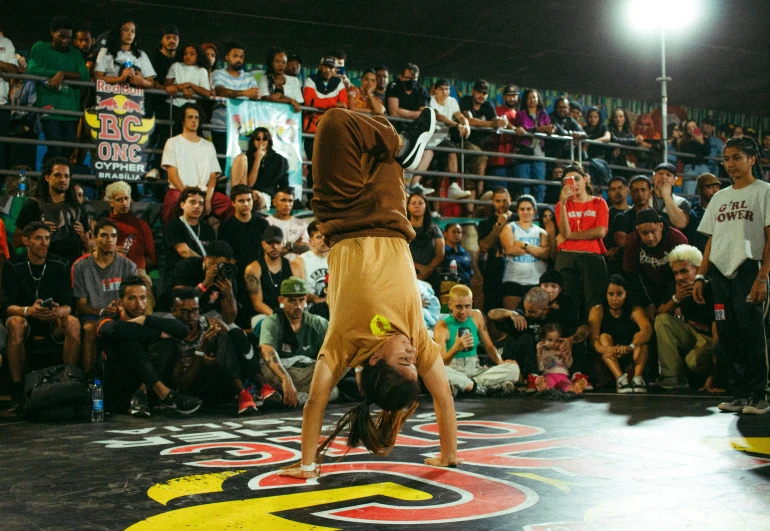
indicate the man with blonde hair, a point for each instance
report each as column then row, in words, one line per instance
column 135, row 240
column 459, row 336
column 685, row 344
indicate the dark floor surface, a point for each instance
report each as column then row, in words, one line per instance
column 601, row 463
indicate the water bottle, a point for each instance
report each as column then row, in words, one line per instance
column 97, row 401
column 22, row 191
column 128, row 63
column 453, row 269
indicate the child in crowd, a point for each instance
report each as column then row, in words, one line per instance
column 554, row 363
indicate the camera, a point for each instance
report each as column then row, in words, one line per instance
column 226, row 271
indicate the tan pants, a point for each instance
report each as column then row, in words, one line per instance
column 300, row 377
column 462, row 372
column 675, row 337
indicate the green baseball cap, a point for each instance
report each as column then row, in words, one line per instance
column 293, row 286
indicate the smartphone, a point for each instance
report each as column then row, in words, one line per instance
column 569, row 181
column 48, row 304
column 341, row 71
column 696, row 131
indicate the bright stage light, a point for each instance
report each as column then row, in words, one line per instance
column 669, row 14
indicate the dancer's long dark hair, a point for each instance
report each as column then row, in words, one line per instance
column 751, row 148
column 385, row 387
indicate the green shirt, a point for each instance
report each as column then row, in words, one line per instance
column 309, row 338
column 453, row 324
column 45, row 61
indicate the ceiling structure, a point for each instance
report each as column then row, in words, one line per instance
column 721, row 63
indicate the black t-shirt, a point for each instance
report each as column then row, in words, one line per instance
column 615, row 222
column 533, row 325
column 176, row 232
column 161, row 63
column 273, row 173
column 495, row 265
column 699, row 316
column 593, row 151
column 21, row 289
column 564, row 127
column 245, row 239
column 486, row 111
column 624, row 222
column 419, row 97
column 190, row 272
column 65, row 242
column 565, row 313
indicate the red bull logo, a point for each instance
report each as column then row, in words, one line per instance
column 119, row 104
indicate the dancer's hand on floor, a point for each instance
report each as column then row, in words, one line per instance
column 443, row 461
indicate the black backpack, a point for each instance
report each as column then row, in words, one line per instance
column 59, row 392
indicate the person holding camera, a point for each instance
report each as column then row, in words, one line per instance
column 96, row 279
column 213, row 277
column 36, row 300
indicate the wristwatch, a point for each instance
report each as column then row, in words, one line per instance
column 632, row 346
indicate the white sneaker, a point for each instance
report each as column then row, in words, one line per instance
column 756, row 407
column 455, row 192
column 623, row 386
column 638, row 385
column 152, row 175
column 420, row 189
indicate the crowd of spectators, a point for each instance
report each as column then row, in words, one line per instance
column 572, row 294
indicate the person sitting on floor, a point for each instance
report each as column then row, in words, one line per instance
column 554, row 363
column 290, row 340
column 125, row 339
column 459, row 335
column 620, row 329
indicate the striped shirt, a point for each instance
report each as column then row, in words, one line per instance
column 222, row 78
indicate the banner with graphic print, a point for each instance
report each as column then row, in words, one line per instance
column 120, row 130
column 244, row 116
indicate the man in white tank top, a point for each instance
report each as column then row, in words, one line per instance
column 314, row 265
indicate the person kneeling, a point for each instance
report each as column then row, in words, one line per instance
column 290, row 340
column 464, row 329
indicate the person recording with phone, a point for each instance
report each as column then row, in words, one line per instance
column 36, row 301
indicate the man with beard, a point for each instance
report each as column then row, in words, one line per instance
column 290, row 341
column 230, row 82
column 645, row 260
column 161, row 58
column 493, row 266
column 625, row 222
column 207, row 364
column 505, row 143
column 617, row 193
column 565, row 125
column 126, row 338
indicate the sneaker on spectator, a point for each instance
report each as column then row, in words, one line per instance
column 419, row 189
column 478, row 390
column 623, row 386
column 246, row 405
column 415, row 138
column 486, row 196
column 735, row 406
column 638, row 385
column 531, row 387
column 181, row 403
column 580, row 376
column 139, row 407
column 503, row 389
column 152, row 175
column 270, row 396
column 455, row 192
column 435, row 215
column 756, row 407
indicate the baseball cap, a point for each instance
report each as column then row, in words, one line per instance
column 706, row 179
column 666, row 166
column 481, row 85
column 648, row 215
column 328, row 60
column 272, row 234
column 170, row 29
column 293, row 286
column 510, row 89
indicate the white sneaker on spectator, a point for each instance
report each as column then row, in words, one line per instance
column 486, row 196
column 415, row 137
column 455, row 192
column 623, row 386
column 638, row 385
column 734, row 406
column 756, row 407
column 419, row 189
column 152, row 175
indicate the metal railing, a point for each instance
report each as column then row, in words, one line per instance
column 575, row 142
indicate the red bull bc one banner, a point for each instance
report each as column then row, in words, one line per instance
column 121, row 132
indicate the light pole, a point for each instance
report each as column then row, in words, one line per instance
column 663, row 93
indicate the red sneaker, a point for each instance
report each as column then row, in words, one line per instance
column 580, row 376
column 270, row 395
column 531, row 386
column 246, row 404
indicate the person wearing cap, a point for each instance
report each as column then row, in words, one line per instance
column 323, row 90
column 264, row 275
column 505, row 143
column 480, row 113
column 707, row 185
column 294, row 68
column 675, row 209
column 290, row 340
column 645, row 261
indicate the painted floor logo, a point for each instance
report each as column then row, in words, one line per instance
column 229, row 459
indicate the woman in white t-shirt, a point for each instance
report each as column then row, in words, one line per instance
column 121, row 60
column 526, row 253
column 189, row 77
